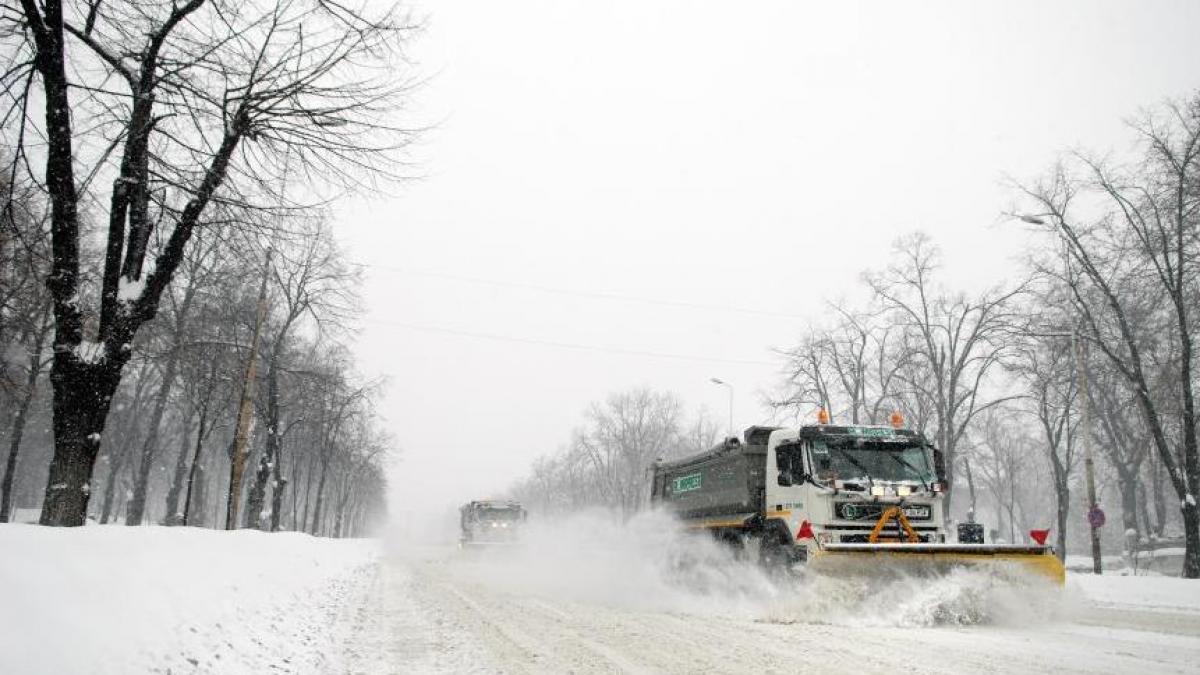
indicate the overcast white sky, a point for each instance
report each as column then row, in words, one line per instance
column 715, row 155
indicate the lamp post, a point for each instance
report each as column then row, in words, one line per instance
column 1085, row 421
column 723, row 383
column 1095, row 516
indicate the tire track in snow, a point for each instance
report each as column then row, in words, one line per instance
column 521, row 629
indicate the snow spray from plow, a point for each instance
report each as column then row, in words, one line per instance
column 650, row 563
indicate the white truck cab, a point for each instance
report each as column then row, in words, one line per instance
column 832, row 484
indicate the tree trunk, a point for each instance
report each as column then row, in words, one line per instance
column 1127, row 485
column 1191, row 539
column 257, row 499
column 1160, row 499
column 1063, row 497
column 199, row 497
column 122, row 439
column 316, row 521
column 308, row 482
column 110, row 487
column 295, row 483
column 277, row 490
column 1144, row 509
column 174, row 514
column 340, row 520
column 970, row 489
column 137, row 505
column 83, row 393
column 18, row 426
column 195, row 466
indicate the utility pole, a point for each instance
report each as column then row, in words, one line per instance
column 1095, row 516
column 730, row 386
column 1085, row 423
column 237, row 459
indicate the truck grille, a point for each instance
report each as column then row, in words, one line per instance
column 871, row 511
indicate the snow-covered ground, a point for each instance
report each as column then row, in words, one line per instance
column 582, row 596
column 115, row 599
column 1160, row 594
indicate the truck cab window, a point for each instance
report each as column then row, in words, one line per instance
column 789, row 459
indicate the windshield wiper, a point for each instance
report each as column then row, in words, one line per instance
column 904, row 462
column 853, row 461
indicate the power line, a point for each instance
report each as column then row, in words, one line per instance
column 568, row 345
column 594, row 295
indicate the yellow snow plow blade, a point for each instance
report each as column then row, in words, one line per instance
column 909, row 555
column 1039, row 561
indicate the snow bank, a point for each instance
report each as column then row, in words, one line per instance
column 114, row 599
column 1165, row 594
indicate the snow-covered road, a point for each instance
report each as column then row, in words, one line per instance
column 441, row 613
column 587, row 597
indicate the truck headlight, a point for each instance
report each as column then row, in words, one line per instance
column 903, row 490
column 878, row 491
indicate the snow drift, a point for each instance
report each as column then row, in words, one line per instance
column 114, row 599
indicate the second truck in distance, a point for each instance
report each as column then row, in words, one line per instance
column 489, row 522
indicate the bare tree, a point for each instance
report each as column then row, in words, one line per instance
column 220, row 99
column 312, row 282
column 194, row 270
column 1123, row 225
column 25, row 321
column 1003, row 448
column 952, row 341
column 623, row 437
column 1046, row 366
column 852, row 370
column 608, row 461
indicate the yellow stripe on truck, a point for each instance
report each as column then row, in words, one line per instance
column 738, row 522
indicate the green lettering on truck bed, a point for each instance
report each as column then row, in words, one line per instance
column 686, row 483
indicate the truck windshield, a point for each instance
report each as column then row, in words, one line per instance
column 881, row 460
column 500, row 514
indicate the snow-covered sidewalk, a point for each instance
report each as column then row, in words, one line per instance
column 1145, row 593
column 115, row 599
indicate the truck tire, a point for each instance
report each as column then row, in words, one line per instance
column 733, row 540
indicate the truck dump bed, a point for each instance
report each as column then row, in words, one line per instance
column 727, row 480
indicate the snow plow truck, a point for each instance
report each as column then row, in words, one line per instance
column 837, row 499
column 490, row 522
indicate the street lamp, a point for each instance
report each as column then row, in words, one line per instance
column 1085, row 421
column 1085, row 412
column 723, row 383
